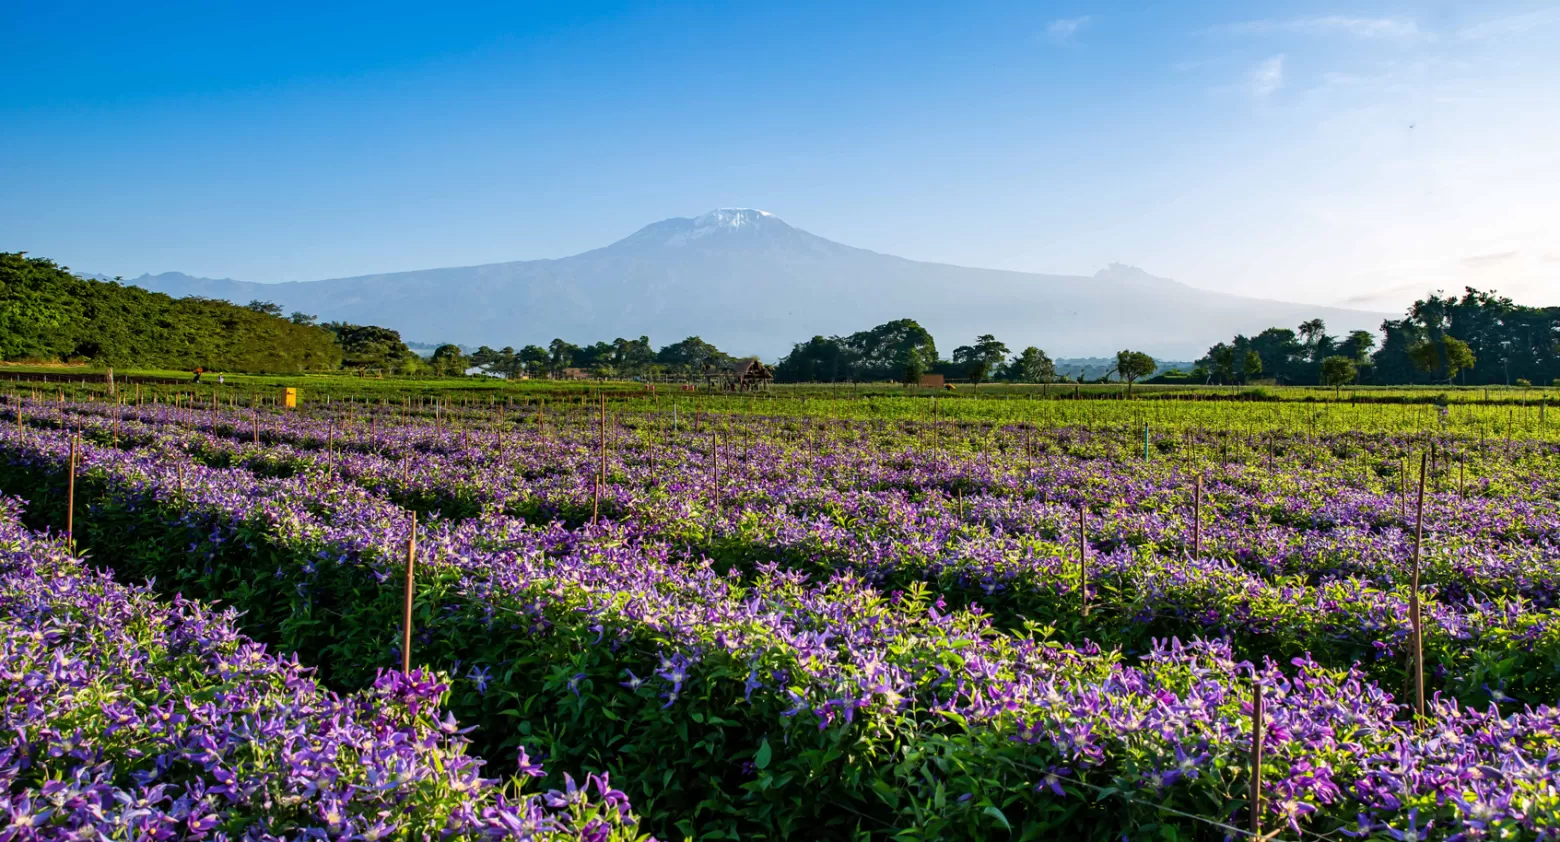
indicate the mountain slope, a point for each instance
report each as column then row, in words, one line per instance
column 751, row 283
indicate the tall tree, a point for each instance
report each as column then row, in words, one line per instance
column 822, row 359
column 448, row 361
column 1032, row 366
column 1444, row 358
column 1131, row 365
column 372, row 347
column 536, row 359
column 880, row 353
column 1337, row 372
column 561, row 355
column 692, row 356
column 979, row 359
column 1251, row 367
column 1313, row 332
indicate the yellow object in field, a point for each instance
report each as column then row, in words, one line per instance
column 289, row 397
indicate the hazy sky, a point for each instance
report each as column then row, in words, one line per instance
column 1357, row 154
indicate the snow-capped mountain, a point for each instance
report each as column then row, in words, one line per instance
column 751, row 283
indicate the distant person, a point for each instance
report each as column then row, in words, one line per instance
column 198, row 372
column 221, row 380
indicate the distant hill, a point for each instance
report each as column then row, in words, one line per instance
column 750, row 283
column 47, row 313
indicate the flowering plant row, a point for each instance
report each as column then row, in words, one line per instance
column 1289, row 561
column 768, row 703
column 127, row 717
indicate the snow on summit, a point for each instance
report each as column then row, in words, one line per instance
column 723, row 220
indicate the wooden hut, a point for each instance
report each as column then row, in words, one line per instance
column 742, row 376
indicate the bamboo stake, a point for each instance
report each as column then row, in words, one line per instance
column 1083, row 559
column 70, row 496
column 1197, row 494
column 1413, row 598
column 1257, row 716
column 406, row 608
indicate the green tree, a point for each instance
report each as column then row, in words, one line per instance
column 1252, row 367
column 373, row 347
column 535, row 359
column 979, row 359
column 1131, row 365
column 266, row 307
column 1358, row 345
column 1315, row 339
column 881, row 353
column 691, row 357
column 561, row 355
column 1338, row 371
column 821, row 359
column 913, row 366
column 1032, row 366
column 447, row 361
column 1221, row 362
column 1443, row 359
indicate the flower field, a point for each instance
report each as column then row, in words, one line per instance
column 782, row 621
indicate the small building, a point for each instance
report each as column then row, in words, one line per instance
column 930, row 381
column 742, row 376
column 574, row 374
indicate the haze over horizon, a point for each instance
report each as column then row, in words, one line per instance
column 1353, row 156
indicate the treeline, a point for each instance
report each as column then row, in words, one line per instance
column 903, row 351
column 898, row 351
column 48, row 314
column 620, row 358
column 1478, row 339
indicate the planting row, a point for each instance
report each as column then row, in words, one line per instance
column 127, row 717
column 1284, row 566
column 770, row 705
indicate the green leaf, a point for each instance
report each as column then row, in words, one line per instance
column 997, row 814
column 761, row 759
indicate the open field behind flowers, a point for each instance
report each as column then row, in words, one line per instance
column 834, row 618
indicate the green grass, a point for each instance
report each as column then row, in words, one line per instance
column 1474, row 411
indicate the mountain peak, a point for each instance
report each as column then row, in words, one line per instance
column 1133, row 276
column 734, row 218
column 723, row 224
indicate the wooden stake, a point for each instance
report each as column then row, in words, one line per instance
column 70, row 496
column 406, row 608
column 1257, row 716
column 1083, row 560
column 1197, row 519
column 1413, row 598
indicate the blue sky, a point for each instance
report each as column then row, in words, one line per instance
column 1354, row 154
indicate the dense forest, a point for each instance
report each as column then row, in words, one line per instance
column 49, row 315
column 1478, row 339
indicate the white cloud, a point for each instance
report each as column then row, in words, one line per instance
column 1063, row 30
column 1511, row 25
column 1325, row 25
column 1266, row 77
